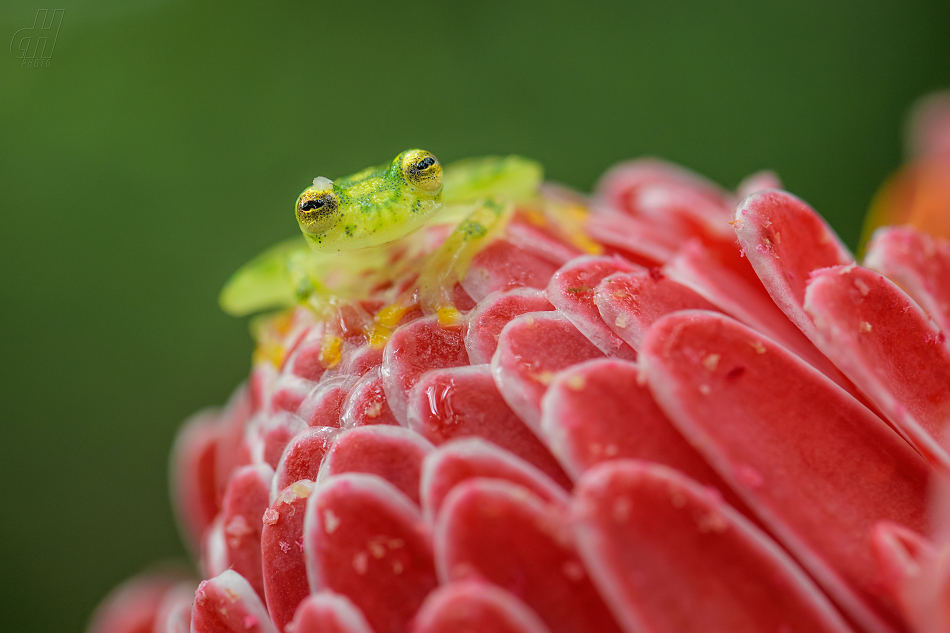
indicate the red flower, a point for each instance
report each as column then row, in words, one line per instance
column 686, row 411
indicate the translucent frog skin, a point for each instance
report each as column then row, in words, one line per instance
column 355, row 224
column 373, row 207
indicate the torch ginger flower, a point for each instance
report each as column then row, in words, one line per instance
column 669, row 408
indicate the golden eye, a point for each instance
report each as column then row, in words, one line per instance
column 317, row 210
column 422, row 169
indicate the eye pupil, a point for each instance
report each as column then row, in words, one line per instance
column 310, row 205
column 425, row 163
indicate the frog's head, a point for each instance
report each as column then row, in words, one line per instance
column 375, row 206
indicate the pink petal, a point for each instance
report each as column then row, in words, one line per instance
column 889, row 348
column 465, row 459
column 305, row 361
column 475, row 607
column 667, row 195
column 214, row 549
column 785, row 240
column 917, row 262
column 695, row 268
column 393, row 453
column 759, row 181
column 324, row 405
column 914, row 575
column 244, row 504
column 414, row 349
column 818, row 468
column 327, row 612
column 571, row 291
column 632, row 238
column 366, row 404
column 302, row 457
column 284, row 569
column 671, row 556
column 231, row 454
column 464, row 402
column 522, row 233
column 597, row 411
column 531, row 349
column 134, row 605
column 193, row 475
column 276, row 432
column 362, row 360
column 174, row 611
column 497, row 531
column 503, row 266
column 289, row 392
column 366, row 540
column 493, row 313
column 228, row 604
column 630, row 302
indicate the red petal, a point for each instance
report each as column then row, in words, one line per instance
column 327, row 612
column 493, row 313
column 362, row 360
column 531, row 349
column 785, row 240
column 910, row 572
column 366, row 540
column 465, row 459
column 228, row 604
column 393, row 453
column 174, row 612
column 695, row 268
column 502, row 266
column 244, row 504
column 135, row 605
column 464, row 402
column 324, row 405
column 667, row 195
column 276, row 431
column 759, row 181
column 918, row 263
column 367, row 405
column 818, row 468
column 193, row 472
column 414, row 349
column 497, row 531
column 630, row 302
column 304, row 361
column 285, row 573
column 889, row 348
column 302, row 457
column 671, row 556
column 289, row 392
column 597, row 411
column 475, row 607
column 571, row 291
column 634, row 239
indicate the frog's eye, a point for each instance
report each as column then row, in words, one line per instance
column 317, row 210
column 422, row 169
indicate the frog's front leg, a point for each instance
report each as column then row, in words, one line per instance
column 448, row 264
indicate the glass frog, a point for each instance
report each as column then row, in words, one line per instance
column 385, row 223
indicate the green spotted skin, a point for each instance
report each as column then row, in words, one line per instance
column 362, row 220
column 375, row 206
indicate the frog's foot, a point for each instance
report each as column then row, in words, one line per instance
column 448, row 264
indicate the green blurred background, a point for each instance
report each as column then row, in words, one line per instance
column 166, row 142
